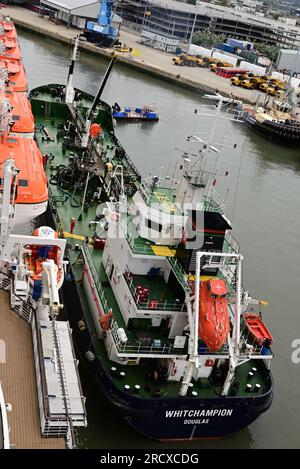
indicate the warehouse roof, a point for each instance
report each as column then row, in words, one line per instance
column 69, row 5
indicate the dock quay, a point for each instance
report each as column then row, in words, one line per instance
column 151, row 61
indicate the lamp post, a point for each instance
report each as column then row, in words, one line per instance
column 145, row 10
column 194, row 23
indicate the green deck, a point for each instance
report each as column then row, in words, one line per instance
column 137, row 374
column 164, row 198
column 159, row 292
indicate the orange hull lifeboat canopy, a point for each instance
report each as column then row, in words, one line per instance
column 31, row 180
column 257, row 328
column 9, row 48
column 213, row 314
column 42, row 253
column 16, row 74
column 21, row 113
column 7, row 29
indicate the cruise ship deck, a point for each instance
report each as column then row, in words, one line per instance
column 17, row 375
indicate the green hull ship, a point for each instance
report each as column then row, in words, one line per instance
column 159, row 320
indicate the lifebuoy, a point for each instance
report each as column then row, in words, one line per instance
column 115, row 216
column 209, row 362
column 173, row 369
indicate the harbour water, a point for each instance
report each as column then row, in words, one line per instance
column 263, row 204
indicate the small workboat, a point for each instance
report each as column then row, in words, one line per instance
column 36, row 255
column 146, row 113
column 257, row 328
column 279, row 122
column 213, row 314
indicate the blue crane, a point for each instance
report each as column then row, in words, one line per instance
column 103, row 32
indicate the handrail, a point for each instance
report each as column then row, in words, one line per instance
column 232, row 242
column 69, row 433
column 128, row 348
column 214, row 201
column 179, row 272
column 152, row 304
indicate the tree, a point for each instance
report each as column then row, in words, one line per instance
column 208, row 39
column 270, row 51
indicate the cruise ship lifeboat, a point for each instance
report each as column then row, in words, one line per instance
column 213, row 314
column 37, row 254
column 9, row 48
column 21, row 113
column 7, row 29
column 16, row 74
column 257, row 328
column 31, row 184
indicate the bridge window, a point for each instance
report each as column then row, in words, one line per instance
column 153, row 225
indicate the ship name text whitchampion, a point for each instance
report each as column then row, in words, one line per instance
column 199, row 413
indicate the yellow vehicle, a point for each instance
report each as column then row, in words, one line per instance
column 263, row 86
column 204, row 62
column 188, row 60
column 249, row 83
column 260, row 80
column 237, row 80
column 214, row 65
column 271, row 90
column 122, row 48
column 277, row 83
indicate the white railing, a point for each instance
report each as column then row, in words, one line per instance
column 91, row 266
column 25, row 311
column 138, row 249
column 231, row 243
column 213, row 201
column 153, row 304
column 139, row 348
column 179, row 272
column 149, row 186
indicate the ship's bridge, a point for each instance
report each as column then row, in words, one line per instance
column 156, row 215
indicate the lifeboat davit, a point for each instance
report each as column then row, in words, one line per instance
column 17, row 80
column 23, row 120
column 37, row 254
column 31, row 182
column 213, row 314
column 257, row 328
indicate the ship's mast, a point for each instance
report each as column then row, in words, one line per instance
column 70, row 92
column 196, row 178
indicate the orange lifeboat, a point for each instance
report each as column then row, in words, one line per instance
column 213, row 314
column 21, row 113
column 257, row 328
column 7, row 29
column 17, row 80
column 31, row 183
column 37, row 254
column 9, row 48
